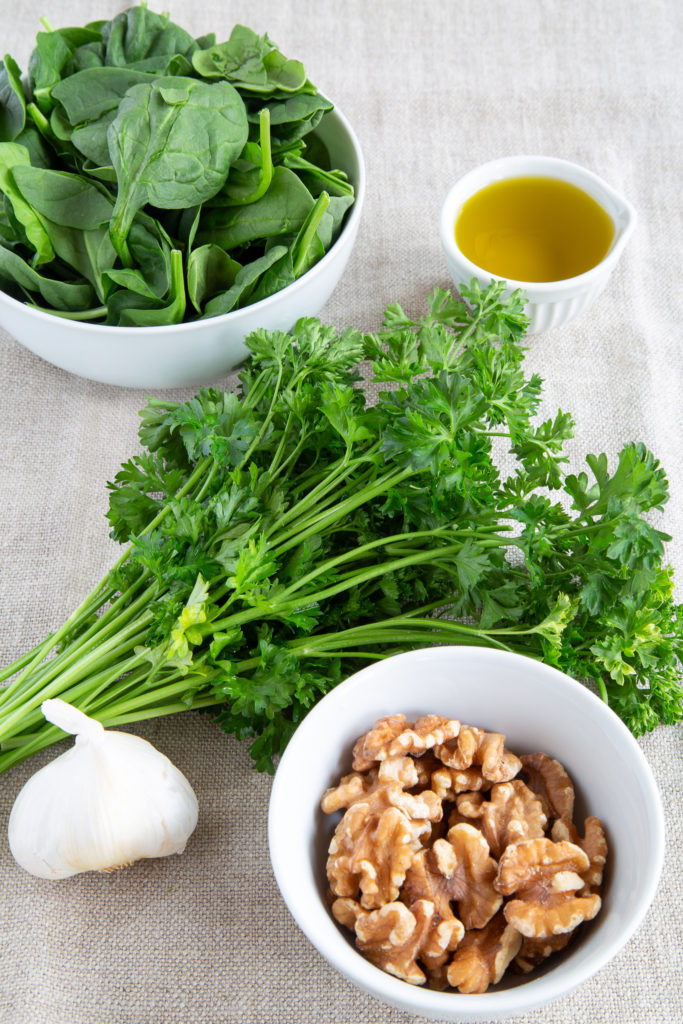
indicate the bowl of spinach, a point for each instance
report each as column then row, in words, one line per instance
column 163, row 196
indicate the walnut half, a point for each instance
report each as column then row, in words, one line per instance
column 482, row 957
column 511, row 814
column 395, row 936
column 545, row 878
column 593, row 844
column 393, row 736
column 371, row 853
column 474, row 746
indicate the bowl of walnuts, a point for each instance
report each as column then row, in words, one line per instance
column 464, row 833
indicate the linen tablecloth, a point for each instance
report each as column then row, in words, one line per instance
column 432, row 89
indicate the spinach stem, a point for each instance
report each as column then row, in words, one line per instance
column 308, row 232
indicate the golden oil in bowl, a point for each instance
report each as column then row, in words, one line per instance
column 533, row 228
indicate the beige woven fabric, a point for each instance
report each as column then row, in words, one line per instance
column 432, row 88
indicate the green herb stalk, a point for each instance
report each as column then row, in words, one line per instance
column 279, row 539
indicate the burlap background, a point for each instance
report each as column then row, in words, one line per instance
column 432, row 89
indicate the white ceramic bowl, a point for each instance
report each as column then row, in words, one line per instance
column 202, row 350
column 550, row 303
column 538, row 708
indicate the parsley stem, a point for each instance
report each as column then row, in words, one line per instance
column 45, row 646
column 363, row 575
column 21, row 748
column 108, row 653
column 316, row 524
column 266, row 421
column 82, row 692
column 97, row 597
column 253, row 394
column 110, row 622
column 400, row 630
column 325, row 489
column 87, row 607
column 397, row 539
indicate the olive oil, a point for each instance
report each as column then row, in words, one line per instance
column 533, row 229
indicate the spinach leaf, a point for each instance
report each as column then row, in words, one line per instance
column 69, row 295
column 11, row 234
column 12, row 102
column 106, row 174
column 308, row 246
column 171, row 145
column 89, row 55
column 89, row 253
column 66, row 199
column 205, row 41
column 48, row 61
column 210, row 271
column 251, row 175
column 284, row 74
column 88, row 94
column 317, row 179
column 92, row 141
column 305, row 250
column 129, row 308
column 59, row 125
column 12, row 156
column 331, row 222
column 180, row 225
column 32, row 140
column 240, row 58
column 277, row 277
column 12, row 229
column 89, row 100
column 245, row 282
column 281, row 210
column 251, row 62
column 138, row 33
column 53, row 142
column 295, row 116
column 133, row 280
column 150, row 248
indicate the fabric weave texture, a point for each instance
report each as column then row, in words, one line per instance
column 432, row 89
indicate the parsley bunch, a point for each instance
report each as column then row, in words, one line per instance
column 279, row 538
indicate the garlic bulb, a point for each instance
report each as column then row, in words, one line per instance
column 108, row 801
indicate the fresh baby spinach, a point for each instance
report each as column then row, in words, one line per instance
column 240, row 292
column 172, row 144
column 66, row 199
column 138, row 306
column 210, row 271
column 63, row 295
column 282, row 209
column 88, row 94
column 12, row 102
column 142, row 39
column 157, row 176
column 13, row 155
column 252, row 62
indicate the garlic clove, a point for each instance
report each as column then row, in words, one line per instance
column 108, row 801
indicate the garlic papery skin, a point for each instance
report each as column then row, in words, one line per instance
column 109, row 800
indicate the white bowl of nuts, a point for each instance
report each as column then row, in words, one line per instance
column 464, row 833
